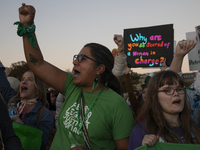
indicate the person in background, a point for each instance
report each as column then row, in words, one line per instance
column 166, row 114
column 196, row 84
column 193, row 96
column 107, row 120
column 14, row 82
column 30, row 99
column 59, row 102
column 53, row 97
column 167, row 109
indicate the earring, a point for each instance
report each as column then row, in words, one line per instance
column 95, row 83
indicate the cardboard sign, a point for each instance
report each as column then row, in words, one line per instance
column 194, row 54
column 149, row 46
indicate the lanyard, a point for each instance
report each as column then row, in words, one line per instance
column 79, row 130
column 175, row 136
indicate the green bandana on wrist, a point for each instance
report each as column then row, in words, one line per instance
column 22, row 30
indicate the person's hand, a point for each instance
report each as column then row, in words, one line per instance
column 16, row 119
column 150, row 140
column 118, row 39
column 184, row 47
column 26, row 14
column 163, row 66
column 79, row 148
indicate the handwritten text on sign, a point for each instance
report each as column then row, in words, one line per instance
column 147, row 50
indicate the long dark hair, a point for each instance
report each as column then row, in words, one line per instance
column 104, row 56
column 154, row 120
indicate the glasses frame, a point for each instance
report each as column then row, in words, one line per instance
column 173, row 91
column 83, row 56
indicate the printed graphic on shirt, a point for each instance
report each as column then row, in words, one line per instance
column 71, row 121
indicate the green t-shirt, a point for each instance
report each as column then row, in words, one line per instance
column 110, row 119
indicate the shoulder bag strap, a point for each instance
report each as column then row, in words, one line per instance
column 39, row 116
column 84, row 129
column 2, row 98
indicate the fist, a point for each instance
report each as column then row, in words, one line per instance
column 118, row 39
column 26, row 14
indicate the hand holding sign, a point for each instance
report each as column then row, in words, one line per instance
column 184, row 47
column 150, row 140
column 26, row 14
column 163, row 66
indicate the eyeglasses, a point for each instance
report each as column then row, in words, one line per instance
column 170, row 91
column 81, row 57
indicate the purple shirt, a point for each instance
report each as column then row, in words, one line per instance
column 139, row 131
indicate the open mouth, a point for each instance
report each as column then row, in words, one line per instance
column 76, row 73
column 176, row 102
column 24, row 89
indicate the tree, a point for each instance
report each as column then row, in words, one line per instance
column 18, row 69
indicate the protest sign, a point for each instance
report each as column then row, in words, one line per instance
column 194, row 54
column 30, row 137
column 149, row 46
column 170, row 146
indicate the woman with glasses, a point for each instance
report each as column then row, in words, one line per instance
column 94, row 114
column 166, row 114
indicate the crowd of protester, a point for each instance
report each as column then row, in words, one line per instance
column 86, row 109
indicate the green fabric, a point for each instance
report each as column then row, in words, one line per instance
column 170, row 146
column 30, row 137
column 110, row 119
column 189, row 88
column 29, row 31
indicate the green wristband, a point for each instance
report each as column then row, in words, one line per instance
column 23, row 30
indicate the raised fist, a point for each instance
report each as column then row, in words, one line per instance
column 26, row 14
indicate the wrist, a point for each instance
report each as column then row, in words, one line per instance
column 29, row 31
column 178, row 57
column 120, row 49
column 120, row 54
column 28, row 24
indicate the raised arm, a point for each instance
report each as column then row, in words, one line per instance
column 182, row 48
column 120, row 59
column 129, row 87
column 6, row 90
column 44, row 70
